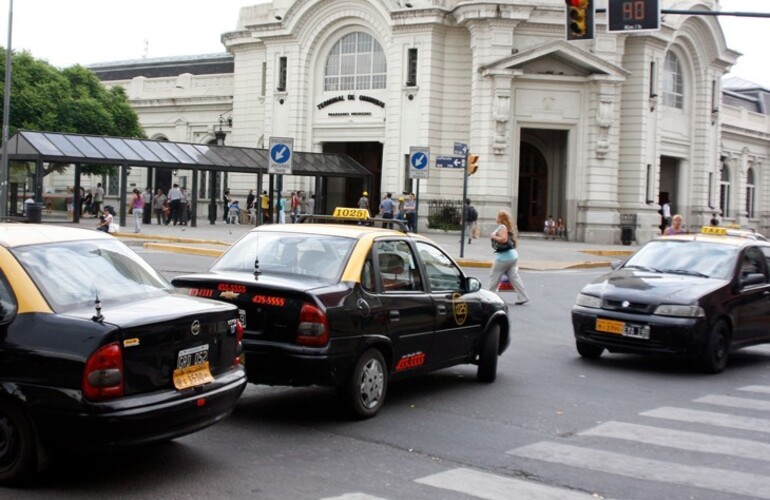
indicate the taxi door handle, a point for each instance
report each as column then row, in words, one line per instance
column 394, row 315
column 441, row 309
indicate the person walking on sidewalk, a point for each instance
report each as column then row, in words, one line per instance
column 147, row 205
column 470, row 216
column 136, row 207
column 504, row 242
column 158, row 202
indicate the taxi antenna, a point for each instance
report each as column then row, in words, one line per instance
column 98, row 305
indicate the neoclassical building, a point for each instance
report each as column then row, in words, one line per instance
column 599, row 132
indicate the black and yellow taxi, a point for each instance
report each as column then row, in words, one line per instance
column 353, row 306
column 699, row 296
column 98, row 350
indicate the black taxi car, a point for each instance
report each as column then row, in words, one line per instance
column 98, row 350
column 698, row 296
column 352, row 306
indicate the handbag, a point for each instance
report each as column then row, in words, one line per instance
column 503, row 247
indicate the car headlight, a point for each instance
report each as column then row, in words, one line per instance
column 588, row 301
column 680, row 311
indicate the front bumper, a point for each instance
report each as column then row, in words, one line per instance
column 668, row 335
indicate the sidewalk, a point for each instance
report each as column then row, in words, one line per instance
column 535, row 252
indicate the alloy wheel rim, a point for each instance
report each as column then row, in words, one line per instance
column 372, row 377
column 7, row 441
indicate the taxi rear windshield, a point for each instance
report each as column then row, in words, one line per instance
column 697, row 258
column 318, row 256
column 73, row 274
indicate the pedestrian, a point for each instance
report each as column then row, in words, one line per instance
column 665, row 212
column 250, row 200
column 184, row 206
column 676, row 226
column 264, row 200
column 714, row 220
column 506, row 258
column 363, row 201
column 295, row 207
column 98, row 199
column 561, row 229
column 311, row 205
column 158, row 202
column 470, row 216
column 549, row 228
column 147, row 202
column 136, row 207
column 105, row 221
column 174, row 200
column 387, row 206
column 226, row 201
column 88, row 202
column 281, row 210
column 410, row 207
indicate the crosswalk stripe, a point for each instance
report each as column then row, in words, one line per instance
column 682, row 440
column 710, row 418
column 765, row 389
column 354, row 496
column 734, row 482
column 733, row 402
column 493, row 487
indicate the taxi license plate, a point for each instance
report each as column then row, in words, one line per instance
column 192, row 368
column 623, row 328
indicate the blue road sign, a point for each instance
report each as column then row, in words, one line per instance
column 281, row 156
column 460, row 149
column 419, row 162
column 452, row 161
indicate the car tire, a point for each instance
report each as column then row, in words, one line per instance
column 368, row 384
column 714, row 357
column 490, row 350
column 18, row 446
column 588, row 351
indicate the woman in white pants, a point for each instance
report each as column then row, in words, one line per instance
column 506, row 257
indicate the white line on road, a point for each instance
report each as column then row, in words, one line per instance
column 710, row 418
column 493, row 487
column 733, row 482
column 765, row 389
column 682, row 440
column 733, row 402
column 354, row 496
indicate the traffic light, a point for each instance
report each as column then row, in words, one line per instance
column 473, row 164
column 580, row 19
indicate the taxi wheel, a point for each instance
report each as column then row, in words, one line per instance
column 588, row 351
column 368, row 384
column 18, row 447
column 714, row 358
column 487, row 371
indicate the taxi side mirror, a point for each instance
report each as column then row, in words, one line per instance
column 751, row 279
column 472, row 284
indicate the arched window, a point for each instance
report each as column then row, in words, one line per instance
column 356, row 62
column 724, row 191
column 750, row 193
column 673, row 82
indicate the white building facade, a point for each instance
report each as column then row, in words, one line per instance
column 599, row 132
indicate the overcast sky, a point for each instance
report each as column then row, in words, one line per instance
column 68, row 32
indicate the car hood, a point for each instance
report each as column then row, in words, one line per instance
column 635, row 285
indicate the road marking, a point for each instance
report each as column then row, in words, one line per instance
column 354, row 496
column 710, row 418
column 682, row 440
column 727, row 481
column 733, row 402
column 493, row 487
column 765, row 389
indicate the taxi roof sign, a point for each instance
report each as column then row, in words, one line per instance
column 722, row 231
column 351, row 213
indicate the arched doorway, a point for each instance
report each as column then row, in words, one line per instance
column 533, row 192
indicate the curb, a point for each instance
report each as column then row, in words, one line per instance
column 173, row 239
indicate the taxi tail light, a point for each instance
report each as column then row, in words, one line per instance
column 313, row 327
column 103, row 374
column 238, row 343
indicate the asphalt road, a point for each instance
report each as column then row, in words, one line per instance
column 552, row 426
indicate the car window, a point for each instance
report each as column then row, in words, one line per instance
column 368, row 281
column 317, row 256
column 74, row 274
column 443, row 274
column 753, row 262
column 397, row 266
column 8, row 304
column 703, row 258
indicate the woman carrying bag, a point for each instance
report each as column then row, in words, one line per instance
column 506, row 257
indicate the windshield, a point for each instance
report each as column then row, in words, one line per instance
column 318, row 256
column 686, row 257
column 71, row 275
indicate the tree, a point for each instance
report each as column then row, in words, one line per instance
column 71, row 100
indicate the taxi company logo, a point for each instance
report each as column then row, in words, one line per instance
column 459, row 308
column 229, row 295
column 410, row 361
column 195, row 328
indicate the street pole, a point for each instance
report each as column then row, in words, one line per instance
column 6, row 115
column 462, row 210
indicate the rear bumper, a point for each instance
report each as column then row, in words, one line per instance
column 685, row 337
column 274, row 364
column 142, row 419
